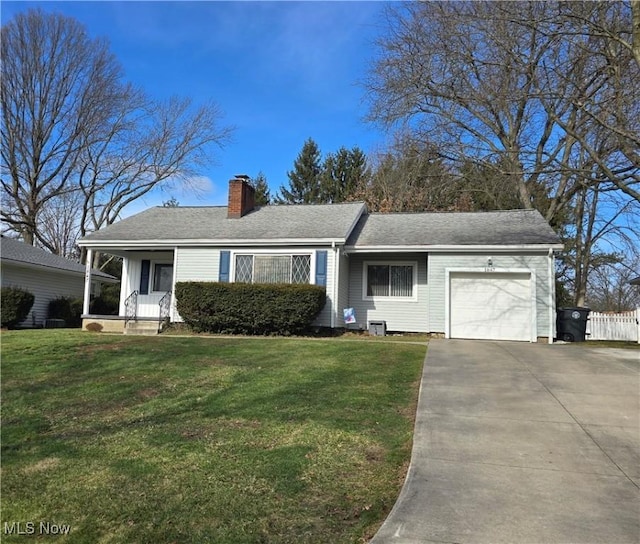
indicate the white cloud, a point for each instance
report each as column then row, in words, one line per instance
column 198, row 185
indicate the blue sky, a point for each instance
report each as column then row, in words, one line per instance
column 280, row 71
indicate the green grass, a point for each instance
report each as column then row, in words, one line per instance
column 167, row 439
column 612, row 344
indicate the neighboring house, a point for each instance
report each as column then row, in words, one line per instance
column 484, row 275
column 45, row 275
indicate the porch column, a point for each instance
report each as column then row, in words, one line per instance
column 124, row 285
column 87, row 283
column 172, row 308
column 552, row 296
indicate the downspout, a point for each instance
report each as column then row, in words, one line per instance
column 336, row 272
column 87, row 282
column 552, row 295
column 172, row 316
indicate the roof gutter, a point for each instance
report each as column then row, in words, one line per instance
column 97, row 274
column 207, row 242
column 449, row 248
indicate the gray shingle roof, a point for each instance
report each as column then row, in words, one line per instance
column 294, row 222
column 331, row 222
column 512, row 227
column 12, row 250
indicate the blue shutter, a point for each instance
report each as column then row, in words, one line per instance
column 144, row 277
column 321, row 268
column 225, row 259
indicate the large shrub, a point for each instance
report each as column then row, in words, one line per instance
column 16, row 303
column 241, row 308
column 69, row 309
column 108, row 303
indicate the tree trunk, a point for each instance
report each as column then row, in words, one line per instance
column 635, row 10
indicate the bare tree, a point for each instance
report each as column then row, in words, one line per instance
column 533, row 89
column 597, row 239
column 610, row 290
column 599, row 77
column 408, row 177
column 593, row 20
column 58, row 91
column 635, row 6
column 485, row 80
column 58, row 224
column 153, row 145
column 69, row 124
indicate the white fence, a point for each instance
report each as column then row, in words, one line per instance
column 622, row 326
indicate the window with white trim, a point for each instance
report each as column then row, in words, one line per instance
column 162, row 277
column 389, row 280
column 273, row 268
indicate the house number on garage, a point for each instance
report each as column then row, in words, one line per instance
column 489, row 268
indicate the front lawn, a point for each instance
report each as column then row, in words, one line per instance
column 612, row 344
column 167, row 439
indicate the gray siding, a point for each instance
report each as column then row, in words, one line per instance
column 198, row 264
column 343, row 289
column 438, row 262
column 408, row 316
column 44, row 285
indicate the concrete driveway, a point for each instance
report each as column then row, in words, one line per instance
column 523, row 443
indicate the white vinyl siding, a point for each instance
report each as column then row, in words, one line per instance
column 438, row 262
column 198, row 264
column 131, row 269
column 401, row 314
column 44, row 285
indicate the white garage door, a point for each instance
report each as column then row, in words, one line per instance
column 490, row 305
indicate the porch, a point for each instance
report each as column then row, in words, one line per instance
column 147, row 302
column 144, row 314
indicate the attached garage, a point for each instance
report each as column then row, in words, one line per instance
column 491, row 305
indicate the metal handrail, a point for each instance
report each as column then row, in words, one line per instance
column 131, row 308
column 164, row 312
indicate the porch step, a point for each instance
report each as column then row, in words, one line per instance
column 149, row 328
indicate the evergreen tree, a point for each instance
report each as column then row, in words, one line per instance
column 263, row 195
column 343, row 173
column 305, row 179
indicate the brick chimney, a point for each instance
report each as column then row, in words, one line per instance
column 242, row 197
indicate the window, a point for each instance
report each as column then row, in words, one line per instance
column 273, row 268
column 162, row 277
column 389, row 280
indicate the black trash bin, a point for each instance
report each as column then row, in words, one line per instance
column 571, row 324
